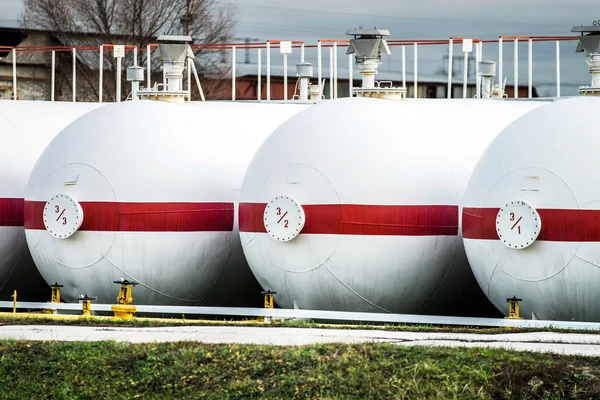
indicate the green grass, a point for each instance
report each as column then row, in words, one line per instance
column 110, row 370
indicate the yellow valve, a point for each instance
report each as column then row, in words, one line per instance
column 513, row 308
column 55, row 297
column 124, row 310
column 86, row 306
column 268, row 303
column 14, row 296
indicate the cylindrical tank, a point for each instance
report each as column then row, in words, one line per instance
column 353, row 204
column 532, row 213
column 26, row 129
column 147, row 191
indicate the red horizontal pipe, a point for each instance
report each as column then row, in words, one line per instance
column 357, row 219
column 142, row 217
column 558, row 225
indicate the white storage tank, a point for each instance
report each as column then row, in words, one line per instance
column 353, row 204
column 147, row 191
column 26, row 128
column 531, row 221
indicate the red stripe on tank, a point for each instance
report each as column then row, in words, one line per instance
column 358, row 219
column 143, row 217
column 11, row 212
column 558, row 225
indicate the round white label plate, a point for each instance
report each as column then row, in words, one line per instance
column 518, row 224
column 283, row 218
column 63, row 216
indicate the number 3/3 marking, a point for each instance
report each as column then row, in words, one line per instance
column 57, row 209
column 512, row 216
column 64, row 220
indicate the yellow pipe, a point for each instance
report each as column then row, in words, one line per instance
column 14, row 296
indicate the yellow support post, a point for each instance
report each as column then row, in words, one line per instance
column 86, row 306
column 124, row 310
column 513, row 308
column 269, row 303
column 55, row 297
column 14, row 296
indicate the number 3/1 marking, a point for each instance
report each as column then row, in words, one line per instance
column 512, row 216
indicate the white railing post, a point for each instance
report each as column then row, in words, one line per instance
column 477, row 77
column 319, row 68
column 302, row 52
column 259, row 75
column 404, row 67
column 14, row 62
column 416, row 86
column 148, row 67
column 53, row 76
column 100, row 73
column 500, row 77
column 118, row 94
column 557, row 68
column 516, row 73
column 350, row 76
column 530, row 70
column 335, row 71
column 450, row 56
column 74, row 74
column 465, row 73
column 331, row 73
column 285, row 77
column 233, row 62
column 268, row 70
column 189, row 78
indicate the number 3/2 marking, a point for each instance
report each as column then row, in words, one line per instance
column 285, row 223
column 278, row 210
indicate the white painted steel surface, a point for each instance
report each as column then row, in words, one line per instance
column 371, row 152
column 160, row 152
column 26, row 127
column 548, row 158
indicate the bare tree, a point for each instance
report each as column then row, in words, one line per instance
column 132, row 22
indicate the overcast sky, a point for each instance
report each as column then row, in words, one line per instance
column 309, row 20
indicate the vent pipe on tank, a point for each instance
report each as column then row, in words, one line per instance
column 175, row 52
column 589, row 41
column 367, row 46
column 304, row 71
column 487, row 72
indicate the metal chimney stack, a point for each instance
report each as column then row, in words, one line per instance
column 175, row 51
column 367, row 46
column 589, row 41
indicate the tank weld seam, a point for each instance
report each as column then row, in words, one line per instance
column 353, row 291
column 584, row 260
column 550, row 276
column 14, row 266
column 445, row 275
column 152, row 289
column 249, row 241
